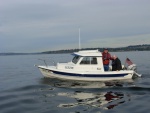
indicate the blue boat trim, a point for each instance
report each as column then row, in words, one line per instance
column 87, row 75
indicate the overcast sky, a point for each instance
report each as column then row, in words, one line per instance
column 41, row 25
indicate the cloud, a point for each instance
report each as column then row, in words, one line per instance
column 53, row 24
column 120, row 41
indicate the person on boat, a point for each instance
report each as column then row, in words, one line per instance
column 106, row 58
column 116, row 64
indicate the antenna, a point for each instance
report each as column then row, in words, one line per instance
column 79, row 40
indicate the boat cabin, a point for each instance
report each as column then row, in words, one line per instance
column 90, row 60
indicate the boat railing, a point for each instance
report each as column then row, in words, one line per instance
column 45, row 62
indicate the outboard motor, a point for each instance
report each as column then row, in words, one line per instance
column 132, row 67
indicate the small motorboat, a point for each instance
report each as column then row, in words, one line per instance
column 87, row 65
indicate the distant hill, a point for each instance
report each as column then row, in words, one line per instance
column 5, row 54
column 144, row 47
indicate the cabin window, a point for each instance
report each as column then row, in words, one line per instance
column 93, row 60
column 75, row 59
column 89, row 60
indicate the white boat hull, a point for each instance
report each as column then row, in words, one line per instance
column 53, row 72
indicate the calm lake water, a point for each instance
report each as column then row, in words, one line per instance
column 23, row 89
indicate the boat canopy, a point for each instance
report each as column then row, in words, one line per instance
column 88, row 53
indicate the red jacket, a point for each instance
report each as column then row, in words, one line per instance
column 106, row 58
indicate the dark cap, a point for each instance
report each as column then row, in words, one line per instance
column 105, row 48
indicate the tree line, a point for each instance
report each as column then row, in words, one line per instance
column 144, row 47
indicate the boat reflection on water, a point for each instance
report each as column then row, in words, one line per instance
column 105, row 100
column 83, row 84
column 105, row 95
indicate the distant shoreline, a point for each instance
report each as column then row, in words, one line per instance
column 144, row 47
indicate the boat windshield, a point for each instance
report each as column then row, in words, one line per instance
column 75, row 59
